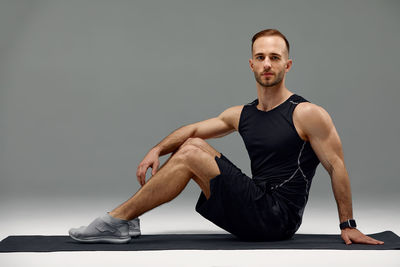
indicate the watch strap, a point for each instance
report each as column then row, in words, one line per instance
column 351, row 223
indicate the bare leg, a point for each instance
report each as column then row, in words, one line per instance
column 195, row 159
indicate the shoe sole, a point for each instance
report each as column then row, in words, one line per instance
column 102, row 239
column 134, row 234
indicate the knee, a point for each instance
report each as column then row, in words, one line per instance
column 188, row 151
column 194, row 141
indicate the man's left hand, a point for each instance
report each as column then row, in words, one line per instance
column 352, row 235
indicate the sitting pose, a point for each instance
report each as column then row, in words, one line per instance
column 286, row 137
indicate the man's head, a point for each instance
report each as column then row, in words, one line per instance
column 270, row 57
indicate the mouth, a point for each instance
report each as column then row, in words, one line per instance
column 267, row 74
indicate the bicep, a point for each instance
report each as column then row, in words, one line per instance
column 216, row 127
column 324, row 138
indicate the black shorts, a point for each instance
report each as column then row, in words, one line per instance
column 243, row 207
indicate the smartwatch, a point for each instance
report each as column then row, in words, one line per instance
column 351, row 223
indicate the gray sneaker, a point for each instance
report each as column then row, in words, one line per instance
column 102, row 230
column 134, row 227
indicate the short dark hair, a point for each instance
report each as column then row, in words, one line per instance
column 269, row 32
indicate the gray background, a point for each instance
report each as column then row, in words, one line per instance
column 88, row 87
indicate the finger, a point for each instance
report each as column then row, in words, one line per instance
column 369, row 242
column 155, row 168
column 144, row 170
column 138, row 174
column 374, row 241
column 346, row 239
column 366, row 240
column 138, row 171
column 142, row 176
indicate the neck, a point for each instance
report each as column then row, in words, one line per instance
column 270, row 97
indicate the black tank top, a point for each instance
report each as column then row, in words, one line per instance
column 281, row 161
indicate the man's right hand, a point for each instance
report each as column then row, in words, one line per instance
column 150, row 160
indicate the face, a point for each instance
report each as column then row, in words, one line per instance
column 270, row 61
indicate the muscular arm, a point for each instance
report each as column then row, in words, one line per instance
column 222, row 125
column 320, row 131
column 324, row 139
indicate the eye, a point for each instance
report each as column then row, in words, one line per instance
column 259, row 57
column 275, row 58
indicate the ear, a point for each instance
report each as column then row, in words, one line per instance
column 289, row 65
column 251, row 64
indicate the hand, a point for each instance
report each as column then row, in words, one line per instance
column 151, row 159
column 352, row 234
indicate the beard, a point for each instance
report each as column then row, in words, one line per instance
column 269, row 83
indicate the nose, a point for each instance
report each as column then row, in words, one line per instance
column 267, row 64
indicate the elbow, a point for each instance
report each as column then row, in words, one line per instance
column 338, row 169
column 334, row 166
column 190, row 130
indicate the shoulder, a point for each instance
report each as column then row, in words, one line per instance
column 311, row 119
column 310, row 110
column 232, row 111
column 231, row 115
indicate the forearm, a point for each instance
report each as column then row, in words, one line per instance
column 174, row 140
column 342, row 192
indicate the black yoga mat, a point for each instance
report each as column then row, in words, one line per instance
column 38, row 243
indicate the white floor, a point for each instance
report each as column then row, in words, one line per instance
column 55, row 216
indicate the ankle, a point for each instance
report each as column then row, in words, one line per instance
column 118, row 215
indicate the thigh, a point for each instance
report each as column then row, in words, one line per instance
column 232, row 194
column 240, row 206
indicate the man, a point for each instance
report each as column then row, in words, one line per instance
column 286, row 137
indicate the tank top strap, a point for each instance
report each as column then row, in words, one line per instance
column 296, row 99
column 290, row 105
column 252, row 103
